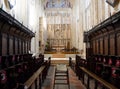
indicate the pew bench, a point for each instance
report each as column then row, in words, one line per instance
column 97, row 79
column 36, row 80
column 36, row 77
column 61, row 75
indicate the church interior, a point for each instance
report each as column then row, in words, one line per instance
column 59, row 44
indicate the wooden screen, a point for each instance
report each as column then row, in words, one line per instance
column 23, row 47
column 97, row 46
column 16, row 46
column 118, row 44
column 94, row 46
column 27, row 46
column 106, row 45
column 112, row 45
column 10, row 45
column 19, row 46
column 101, row 46
column 4, row 44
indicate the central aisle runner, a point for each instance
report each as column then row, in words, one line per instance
column 74, row 82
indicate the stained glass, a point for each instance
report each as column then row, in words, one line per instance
column 58, row 4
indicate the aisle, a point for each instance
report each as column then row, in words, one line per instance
column 74, row 82
column 58, row 55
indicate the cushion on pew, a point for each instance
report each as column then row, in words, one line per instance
column 3, row 77
column 20, row 73
column 12, row 77
column 117, row 64
column 0, row 63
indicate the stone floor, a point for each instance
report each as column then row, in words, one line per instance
column 74, row 82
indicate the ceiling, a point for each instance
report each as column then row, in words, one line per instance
column 57, row 4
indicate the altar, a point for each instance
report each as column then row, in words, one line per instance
column 58, row 48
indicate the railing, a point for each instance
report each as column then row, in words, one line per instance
column 36, row 80
column 105, row 84
column 85, row 72
column 72, row 64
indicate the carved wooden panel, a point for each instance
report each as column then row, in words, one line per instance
column 91, row 45
column 26, row 46
column 19, row 46
column 10, row 45
column 118, row 44
column 97, row 46
column 94, row 47
column 112, row 45
column 23, row 47
column 106, row 45
column 0, row 44
column 101, row 46
column 29, row 45
column 4, row 44
column 16, row 46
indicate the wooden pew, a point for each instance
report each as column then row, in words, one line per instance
column 36, row 80
column 97, row 79
column 88, row 68
column 23, row 71
column 72, row 64
column 80, row 62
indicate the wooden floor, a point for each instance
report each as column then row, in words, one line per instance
column 74, row 82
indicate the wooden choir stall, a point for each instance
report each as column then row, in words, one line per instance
column 102, row 65
column 18, row 69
